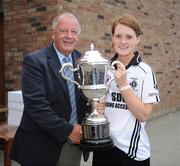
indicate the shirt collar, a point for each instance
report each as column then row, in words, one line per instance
column 61, row 56
column 134, row 61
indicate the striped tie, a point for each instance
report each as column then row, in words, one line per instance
column 68, row 73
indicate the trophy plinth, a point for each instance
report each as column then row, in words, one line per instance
column 95, row 128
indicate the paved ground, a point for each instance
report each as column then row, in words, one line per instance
column 164, row 135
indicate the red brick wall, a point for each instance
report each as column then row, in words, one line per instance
column 28, row 22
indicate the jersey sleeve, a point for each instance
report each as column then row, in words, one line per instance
column 150, row 93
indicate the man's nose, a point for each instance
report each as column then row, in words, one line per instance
column 69, row 34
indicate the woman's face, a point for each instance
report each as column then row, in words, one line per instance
column 124, row 40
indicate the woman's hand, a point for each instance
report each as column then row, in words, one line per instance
column 121, row 75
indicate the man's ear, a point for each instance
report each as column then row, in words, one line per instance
column 53, row 34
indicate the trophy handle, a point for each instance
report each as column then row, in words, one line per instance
column 72, row 69
column 112, row 67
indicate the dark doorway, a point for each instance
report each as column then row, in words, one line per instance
column 2, row 68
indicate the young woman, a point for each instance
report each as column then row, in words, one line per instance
column 130, row 99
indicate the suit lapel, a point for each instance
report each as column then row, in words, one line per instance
column 55, row 66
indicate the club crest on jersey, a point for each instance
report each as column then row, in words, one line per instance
column 133, row 83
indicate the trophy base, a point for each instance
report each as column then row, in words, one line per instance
column 97, row 145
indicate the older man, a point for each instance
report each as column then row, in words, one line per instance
column 50, row 130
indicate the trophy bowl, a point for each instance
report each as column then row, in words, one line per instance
column 94, row 86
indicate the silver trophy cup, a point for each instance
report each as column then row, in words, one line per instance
column 95, row 126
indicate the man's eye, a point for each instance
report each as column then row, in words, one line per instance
column 74, row 32
column 63, row 31
column 66, row 31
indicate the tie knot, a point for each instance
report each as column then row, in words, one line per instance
column 66, row 59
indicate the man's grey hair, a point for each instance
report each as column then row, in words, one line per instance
column 63, row 15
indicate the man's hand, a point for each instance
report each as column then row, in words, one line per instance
column 76, row 134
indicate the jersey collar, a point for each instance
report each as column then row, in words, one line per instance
column 134, row 61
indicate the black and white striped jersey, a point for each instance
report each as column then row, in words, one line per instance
column 127, row 132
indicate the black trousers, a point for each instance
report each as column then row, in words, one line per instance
column 116, row 157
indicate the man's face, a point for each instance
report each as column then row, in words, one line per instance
column 65, row 35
